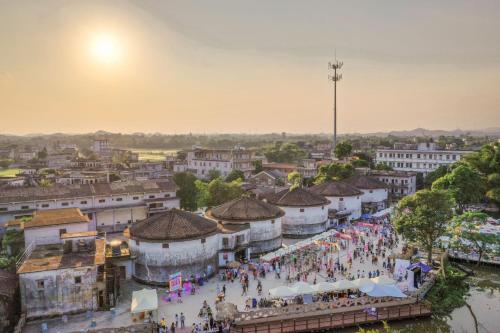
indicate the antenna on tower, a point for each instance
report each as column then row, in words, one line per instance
column 336, row 65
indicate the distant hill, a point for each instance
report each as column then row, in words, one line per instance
column 491, row 131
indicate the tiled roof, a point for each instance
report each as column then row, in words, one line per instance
column 365, row 182
column 245, row 209
column 335, row 189
column 50, row 217
column 174, row 225
column 59, row 191
column 298, row 197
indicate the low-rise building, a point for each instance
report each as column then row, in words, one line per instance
column 401, row 183
column 375, row 193
column 201, row 161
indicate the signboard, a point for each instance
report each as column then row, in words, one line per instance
column 175, row 281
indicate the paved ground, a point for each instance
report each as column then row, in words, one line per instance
column 190, row 305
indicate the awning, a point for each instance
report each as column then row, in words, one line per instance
column 282, row 291
column 425, row 268
column 144, row 300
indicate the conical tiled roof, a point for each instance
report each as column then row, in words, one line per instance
column 173, row 225
column 298, row 197
column 335, row 189
column 365, row 182
column 245, row 209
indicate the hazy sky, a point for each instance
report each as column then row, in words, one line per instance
column 247, row 66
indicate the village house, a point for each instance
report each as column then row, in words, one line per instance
column 345, row 201
column 306, row 213
column 174, row 242
column 375, row 193
column 263, row 218
column 401, row 183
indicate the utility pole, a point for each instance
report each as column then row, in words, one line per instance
column 337, row 65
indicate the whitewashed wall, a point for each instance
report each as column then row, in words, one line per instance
column 301, row 224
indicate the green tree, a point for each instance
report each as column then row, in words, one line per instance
column 295, row 179
column 187, row 192
column 333, row 171
column 343, row 149
column 4, row 164
column 383, row 167
column 217, row 192
column 424, row 217
column 435, row 175
column 45, row 183
column 386, row 329
column 466, row 227
column 284, row 152
column 213, row 174
column 464, row 184
column 235, row 175
column 42, row 154
column 257, row 164
column 360, row 163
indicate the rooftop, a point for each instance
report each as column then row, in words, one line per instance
column 298, row 197
column 245, row 209
column 82, row 234
column 173, row 225
column 52, row 257
column 44, row 218
column 335, row 189
column 365, row 182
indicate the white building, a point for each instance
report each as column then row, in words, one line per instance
column 263, row 219
column 174, row 242
column 401, row 183
column 101, row 146
column 110, row 207
column 424, row 157
column 201, row 161
column 345, row 201
column 375, row 193
column 306, row 213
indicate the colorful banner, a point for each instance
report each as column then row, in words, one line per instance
column 175, row 281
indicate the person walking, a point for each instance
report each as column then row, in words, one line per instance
column 183, row 320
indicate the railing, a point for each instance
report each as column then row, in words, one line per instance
column 27, row 252
column 333, row 320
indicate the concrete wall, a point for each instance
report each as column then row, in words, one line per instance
column 347, row 203
column 154, row 263
column 60, row 294
column 301, row 224
column 265, row 236
column 118, row 218
column 377, row 195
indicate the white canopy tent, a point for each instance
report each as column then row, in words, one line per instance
column 282, row 291
column 324, row 287
column 384, row 280
column 363, row 282
column 144, row 300
column 379, row 290
column 303, row 288
column 344, row 285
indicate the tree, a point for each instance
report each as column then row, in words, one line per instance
column 466, row 227
column 181, row 155
column 284, row 152
column 257, row 164
column 213, row 174
column 4, row 164
column 424, row 217
column 435, row 175
column 386, row 329
column 217, row 192
column 295, row 179
column 464, row 184
column 343, row 149
column 383, row 167
column 333, row 171
column 187, row 192
column 360, row 163
column 235, row 175
column 42, row 154
column 45, row 183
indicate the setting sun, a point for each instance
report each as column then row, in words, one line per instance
column 106, row 49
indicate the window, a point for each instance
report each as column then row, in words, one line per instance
column 3, row 209
column 272, row 221
column 84, row 202
column 129, row 221
column 62, row 231
column 225, row 241
column 341, row 199
column 165, row 245
column 167, row 195
column 119, row 199
column 203, row 241
column 302, row 210
column 371, row 191
column 78, row 279
column 151, row 197
column 135, row 198
column 137, row 242
column 40, row 284
column 64, row 203
column 102, row 200
column 45, row 205
column 25, row 207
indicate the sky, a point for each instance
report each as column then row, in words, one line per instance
column 247, row 66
